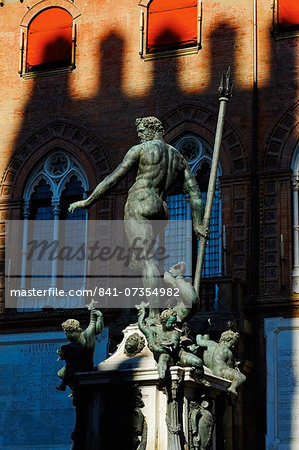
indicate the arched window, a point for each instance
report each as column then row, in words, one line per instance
column 59, row 178
column 40, row 201
column 199, row 156
column 49, row 40
column 171, row 24
column 170, row 27
column 55, row 183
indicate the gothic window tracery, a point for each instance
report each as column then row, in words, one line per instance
column 55, row 183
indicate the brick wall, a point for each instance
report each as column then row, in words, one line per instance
column 94, row 109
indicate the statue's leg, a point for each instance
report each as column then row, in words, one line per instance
column 188, row 359
column 141, row 237
column 236, row 378
column 164, row 363
column 196, row 362
column 151, row 280
column 61, row 372
column 189, row 301
column 237, row 381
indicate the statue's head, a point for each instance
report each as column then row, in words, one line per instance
column 193, row 405
column 168, row 318
column 149, row 128
column 72, row 329
column 134, row 344
column 229, row 337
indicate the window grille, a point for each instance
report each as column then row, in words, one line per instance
column 180, row 240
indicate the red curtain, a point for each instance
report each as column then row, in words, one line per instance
column 50, row 37
column 288, row 12
column 171, row 24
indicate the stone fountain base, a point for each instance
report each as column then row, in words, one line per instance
column 124, row 406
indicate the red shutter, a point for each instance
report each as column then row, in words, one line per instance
column 288, row 12
column 50, row 37
column 171, row 24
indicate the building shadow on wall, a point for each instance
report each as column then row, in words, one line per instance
column 109, row 116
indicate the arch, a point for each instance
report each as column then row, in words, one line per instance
column 37, row 182
column 57, row 184
column 63, row 134
column 34, row 182
column 171, row 25
column 80, row 174
column 198, row 158
column 49, row 40
column 202, row 121
column 283, row 141
column 44, row 4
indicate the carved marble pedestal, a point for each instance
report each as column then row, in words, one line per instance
column 124, row 406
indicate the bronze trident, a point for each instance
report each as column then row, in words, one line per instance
column 225, row 90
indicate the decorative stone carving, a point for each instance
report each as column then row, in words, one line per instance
column 201, row 424
column 139, row 422
column 189, row 147
column 233, row 144
column 134, row 344
column 172, row 414
column 58, row 164
column 61, row 134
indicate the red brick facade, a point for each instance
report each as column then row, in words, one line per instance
column 90, row 113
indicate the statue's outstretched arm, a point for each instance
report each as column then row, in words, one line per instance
column 111, row 180
column 141, row 322
column 96, row 324
column 196, row 202
column 99, row 322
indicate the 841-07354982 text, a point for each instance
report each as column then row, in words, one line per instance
column 139, row 292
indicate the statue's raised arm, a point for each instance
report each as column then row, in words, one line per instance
column 96, row 323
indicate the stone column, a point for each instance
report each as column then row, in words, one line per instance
column 56, row 212
column 25, row 242
column 295, row 272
